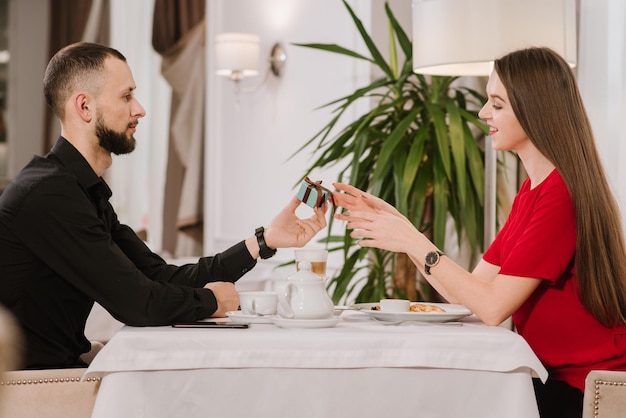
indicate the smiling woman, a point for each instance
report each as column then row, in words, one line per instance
column 558, row 259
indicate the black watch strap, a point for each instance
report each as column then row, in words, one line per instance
column 264, row 251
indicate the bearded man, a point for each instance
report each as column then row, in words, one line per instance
column 62, row 246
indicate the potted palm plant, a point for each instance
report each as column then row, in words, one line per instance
column 415, row 148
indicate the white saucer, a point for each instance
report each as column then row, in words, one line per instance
column 306, row 323
column 241, row 318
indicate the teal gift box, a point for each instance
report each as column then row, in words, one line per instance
column 313, row 194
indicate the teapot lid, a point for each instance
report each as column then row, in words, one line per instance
column 304, row 274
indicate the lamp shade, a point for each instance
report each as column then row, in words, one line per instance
column 463, row 37
column 237, row 54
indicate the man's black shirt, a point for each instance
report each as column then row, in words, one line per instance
column 62, row 248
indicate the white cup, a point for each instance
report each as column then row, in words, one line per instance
column 258, row 302
column 317, row 258
column 394, row 305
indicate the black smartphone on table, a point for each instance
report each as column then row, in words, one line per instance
column 208, row 324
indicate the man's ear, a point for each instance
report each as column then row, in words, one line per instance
column 83, row 106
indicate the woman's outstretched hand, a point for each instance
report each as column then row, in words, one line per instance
column 354, row 199
column 378, row 223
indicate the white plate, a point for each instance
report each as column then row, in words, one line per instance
column 241, row 318
column 306, row 323
column 452, row 312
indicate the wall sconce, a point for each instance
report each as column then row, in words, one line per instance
column 463, row 38
column 237, row 57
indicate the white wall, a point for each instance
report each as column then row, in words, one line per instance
column 249, row 176
column 602, row 81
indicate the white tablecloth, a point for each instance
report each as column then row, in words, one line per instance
column 360, row 367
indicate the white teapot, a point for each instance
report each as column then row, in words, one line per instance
column 304, row 296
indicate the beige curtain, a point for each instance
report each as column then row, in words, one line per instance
column 178, row 35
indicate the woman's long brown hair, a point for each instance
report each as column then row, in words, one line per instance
column 545, row 98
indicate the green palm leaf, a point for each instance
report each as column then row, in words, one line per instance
column 414, row 148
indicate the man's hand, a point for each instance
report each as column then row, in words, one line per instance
column 226, row 295
column 287, row 230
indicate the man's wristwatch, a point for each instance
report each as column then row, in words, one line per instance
column 264, row 251
column 431, row 260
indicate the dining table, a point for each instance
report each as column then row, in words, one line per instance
column 355, row 366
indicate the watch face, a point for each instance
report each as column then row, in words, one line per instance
column 432, row 258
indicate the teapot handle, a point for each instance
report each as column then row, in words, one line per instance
column 284, row 301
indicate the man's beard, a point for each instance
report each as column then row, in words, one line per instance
column 115, row 142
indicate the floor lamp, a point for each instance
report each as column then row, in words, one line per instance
column 463, row 37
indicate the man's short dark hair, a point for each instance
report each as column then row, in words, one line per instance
column 76, row 66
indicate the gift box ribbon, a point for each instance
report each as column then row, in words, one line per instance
column 317, row 185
